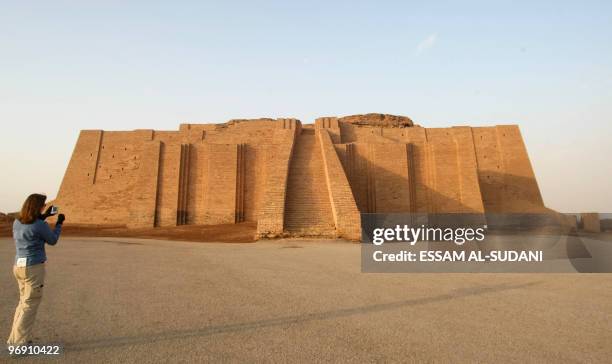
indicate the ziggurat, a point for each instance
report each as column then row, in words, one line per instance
column 294, row 179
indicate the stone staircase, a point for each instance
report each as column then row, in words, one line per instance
column 307, row 206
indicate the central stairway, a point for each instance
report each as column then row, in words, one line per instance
column 307, row 207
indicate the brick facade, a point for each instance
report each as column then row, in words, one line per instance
column 295, row 179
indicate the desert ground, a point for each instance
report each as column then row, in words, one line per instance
column 243, row 232
column 117, row 300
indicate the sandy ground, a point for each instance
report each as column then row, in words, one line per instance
column 244, row 232
column 125, row 300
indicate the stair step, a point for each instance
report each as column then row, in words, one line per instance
column 307, row 207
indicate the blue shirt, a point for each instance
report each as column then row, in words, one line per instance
column 30, row 240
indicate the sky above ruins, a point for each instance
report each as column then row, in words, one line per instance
column 547, row 66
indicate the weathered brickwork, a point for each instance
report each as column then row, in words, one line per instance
column 222, row 183
column 144, row 199
column 590, row 222
column 293, row 179
column 347, row 219
column 271, row 219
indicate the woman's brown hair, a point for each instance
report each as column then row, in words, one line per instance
column 30, row 211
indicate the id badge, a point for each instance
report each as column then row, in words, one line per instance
column 21, row 262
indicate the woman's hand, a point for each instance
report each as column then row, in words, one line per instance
column 47, row 212
column 60, row 219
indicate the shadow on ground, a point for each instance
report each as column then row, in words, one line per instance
column 289, row 320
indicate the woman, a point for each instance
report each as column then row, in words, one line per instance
column 30, row 232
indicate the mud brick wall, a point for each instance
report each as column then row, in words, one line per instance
column 355, row 159
column 168, row 184
column 198, row 174
column 121, row 178
column 183, row 184
column 452, row 164
column 144, row 198
column 238, row 171
column 240, row 182
column 590, row 222
column 220, row 195
column 458, row 169
column 83, row 162
column 346, row 215
column 100, row 181
column 418, row 157
column 80, row 175
column 467, row 169
column 332, row 126
column 506, row 178
column 254, row 181
column 413, row 177
column 390, row 177
column 271, row 218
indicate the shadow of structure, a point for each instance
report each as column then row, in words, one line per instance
column 511, row 210
column 291, row 320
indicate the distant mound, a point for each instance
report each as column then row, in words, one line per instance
column 381, row 120
column 6, row 222
column 10, row 217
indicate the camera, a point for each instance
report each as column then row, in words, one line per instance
column 54, row 210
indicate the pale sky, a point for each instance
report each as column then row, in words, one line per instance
column 546, row 66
